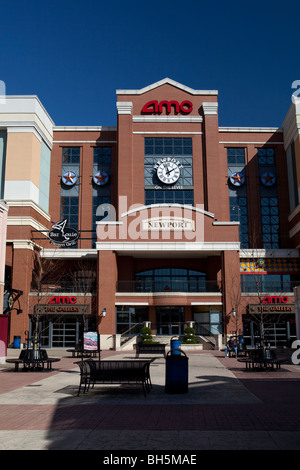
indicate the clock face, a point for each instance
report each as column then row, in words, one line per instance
column 168, row 172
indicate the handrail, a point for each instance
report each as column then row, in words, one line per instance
column 65, row 286
column 131, row 328
column 126, row 338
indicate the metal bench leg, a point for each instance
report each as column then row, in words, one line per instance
column 144, row 388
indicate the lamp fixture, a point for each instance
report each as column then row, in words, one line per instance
column 104, row 312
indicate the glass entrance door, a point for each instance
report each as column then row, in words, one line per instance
column 60, row 331
column 64, row 332
column 277, row 331
column 170, row 321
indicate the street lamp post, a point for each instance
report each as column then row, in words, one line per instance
column 234, row 314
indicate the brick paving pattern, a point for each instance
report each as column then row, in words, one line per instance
column 247, row 410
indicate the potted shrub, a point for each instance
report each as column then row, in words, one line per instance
column 189, row 336
column 146, row 334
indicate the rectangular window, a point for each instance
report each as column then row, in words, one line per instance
column 268, row 198
column 101, row 186
column 71, row 155
column 176, row 152
column 237, row 188
column 129, row 319
column 69, row 210
column 266, row 283
column 70, row 177
column 169, row 196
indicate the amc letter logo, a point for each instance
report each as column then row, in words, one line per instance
column 275, row 300
column 63, row 300
column 155, row 107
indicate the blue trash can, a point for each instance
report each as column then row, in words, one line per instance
column 175, row 346
column 17, row 342
column 177, row 372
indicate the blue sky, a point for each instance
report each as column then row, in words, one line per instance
column 74, row 55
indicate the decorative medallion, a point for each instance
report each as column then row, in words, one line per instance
column 69, row 178
column 100, row 178
column 237, row 179
column 268, row 179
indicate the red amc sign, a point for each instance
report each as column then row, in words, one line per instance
column 275, row 300
column 63, row 300
column 155, row 107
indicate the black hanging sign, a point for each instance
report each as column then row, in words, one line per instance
column 63, row 236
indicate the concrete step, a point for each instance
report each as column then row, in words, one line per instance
column 204, row 344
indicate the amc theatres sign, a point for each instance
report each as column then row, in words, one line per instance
column 63, row 300
column 61, row 308
column 155, row 107
column 275, row 300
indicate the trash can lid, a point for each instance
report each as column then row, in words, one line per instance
column 176, row 349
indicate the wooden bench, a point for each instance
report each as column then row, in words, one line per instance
column 150, row 348
column 114, row 372
column 32, row 361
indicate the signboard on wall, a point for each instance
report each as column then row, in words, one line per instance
column 63, row 299
column 90, row 341
column 63, row 236
column 155, row 107
column 271, row 308
column 168, row 224
column 61, row 309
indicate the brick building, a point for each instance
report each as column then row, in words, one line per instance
column 179, row 220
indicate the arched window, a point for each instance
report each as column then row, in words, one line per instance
column 170, row 279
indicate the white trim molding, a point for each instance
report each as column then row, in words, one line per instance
column 248, row 142
column 68, row 253
column 26, row 113
column 182, row 119
column 217, row 222
column 184, row 247
column 210, row 108
column 124, row 107
column 28, row 203
column 26, row 221
column 84, row 128
column 23, row 244
column 208, row 303
column 167, row 81
column 251, row 129
column 167, row 133
column 130, row 303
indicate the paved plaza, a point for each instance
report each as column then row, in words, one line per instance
column 225, row 408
